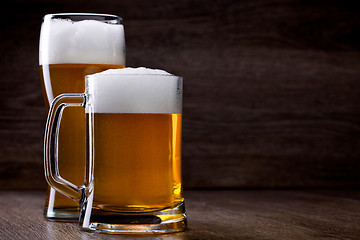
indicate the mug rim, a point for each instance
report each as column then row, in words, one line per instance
column 108, row 18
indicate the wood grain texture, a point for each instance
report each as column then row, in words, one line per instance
column 271, row 97
column 261, row 215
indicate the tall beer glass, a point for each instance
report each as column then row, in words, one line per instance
column 72, row 46
column 133, row 163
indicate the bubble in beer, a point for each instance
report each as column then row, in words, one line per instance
column 134, row 90
column 87, row 41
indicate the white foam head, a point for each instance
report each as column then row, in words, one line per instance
column 134, row 90
column 87, row 41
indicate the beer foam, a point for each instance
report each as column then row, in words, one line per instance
column 88, row 41
column 134, row 90
column 133, row 71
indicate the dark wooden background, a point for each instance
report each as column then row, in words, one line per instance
column 272, row 88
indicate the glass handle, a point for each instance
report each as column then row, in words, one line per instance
column 51, row 165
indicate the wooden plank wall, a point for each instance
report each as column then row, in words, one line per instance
column 272, row 88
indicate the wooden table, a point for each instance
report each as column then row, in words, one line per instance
column 237, row 214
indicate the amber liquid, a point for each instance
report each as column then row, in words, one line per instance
column 136, row 161
column 69, row 78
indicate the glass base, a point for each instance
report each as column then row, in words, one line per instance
column 69, row 212
column 60, row 215
column 157, row 222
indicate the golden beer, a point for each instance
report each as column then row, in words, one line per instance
column 136, row 161
column 69, row 78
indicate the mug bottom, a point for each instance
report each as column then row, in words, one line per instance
column 62, row 210
column 62, row 215
column 157, row 222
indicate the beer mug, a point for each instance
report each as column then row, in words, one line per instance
column 133, row 158
column 72, row 46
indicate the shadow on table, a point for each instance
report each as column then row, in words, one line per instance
column 174, row 236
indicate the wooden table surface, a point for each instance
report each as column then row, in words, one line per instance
column 236, row 214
